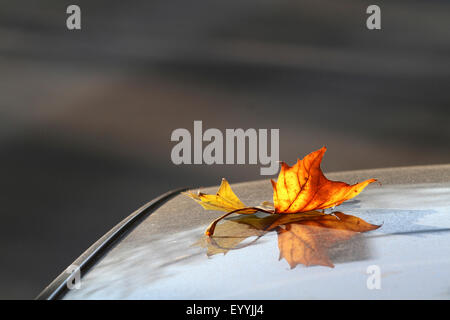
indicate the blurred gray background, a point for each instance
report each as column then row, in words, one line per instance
column 86, row 116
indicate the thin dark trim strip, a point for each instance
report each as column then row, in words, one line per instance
column 58, row 287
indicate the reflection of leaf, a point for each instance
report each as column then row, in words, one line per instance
column 307, row 242
column 304, row 239
column 299, row 189
column 228, row 236
column 303, row 187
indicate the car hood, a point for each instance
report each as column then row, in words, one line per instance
column 163, row 256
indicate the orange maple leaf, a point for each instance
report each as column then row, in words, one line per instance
column 303, row 187
column 300, row 188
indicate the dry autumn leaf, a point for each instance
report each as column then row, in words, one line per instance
column 223, row 200
column 302, row 239
column 300, row 188
column 303, row 187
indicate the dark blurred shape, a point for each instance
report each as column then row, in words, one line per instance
column 86, row 116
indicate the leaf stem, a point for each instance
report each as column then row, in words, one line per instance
column 212, row 226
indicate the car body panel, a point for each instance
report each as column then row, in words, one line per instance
column 159, row 258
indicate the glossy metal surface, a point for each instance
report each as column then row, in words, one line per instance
column 158, row 260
